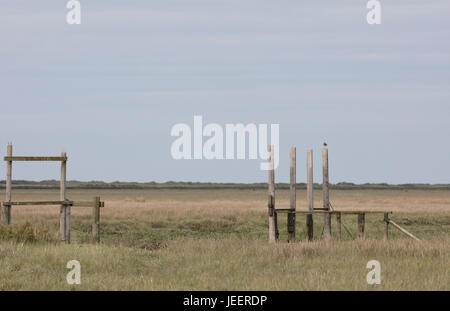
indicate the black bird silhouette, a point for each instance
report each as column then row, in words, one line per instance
column 325, row 144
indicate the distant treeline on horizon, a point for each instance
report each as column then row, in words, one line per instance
column 73, row 184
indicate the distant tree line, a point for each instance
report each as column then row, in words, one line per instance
column 73, row 184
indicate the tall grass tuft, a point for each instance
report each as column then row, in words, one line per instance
column 25, row 233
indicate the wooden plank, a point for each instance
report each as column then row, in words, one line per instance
column 67, row 202
column 63, row 209
column 386, row 226
column 96, row 223
column 361, row 225
column 87, row 203
column 62, row 223
column 309, row 180
column 43, row 159
column 347, row 212
column 83, row 203
column 7, row 213
column 4, row 214
column 271, row 204
column 293, row 180
column 404, row 231
column 309, row 194
column 68, row 215
column 310, row 227
column 37, row 203
column 338, row 225
column 326, row 196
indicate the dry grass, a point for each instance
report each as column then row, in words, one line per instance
column 216, row 239
column 232, row 264
column 180, row 203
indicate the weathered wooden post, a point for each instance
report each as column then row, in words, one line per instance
column 361, row 225
column 64, row 226
column 3, row 213
column 386, row 226
column 6, row 209
column 326, row 196
column 309, row 195
column 96, row 224
column 338, row 225
column 68, row 208
column 273, row 230
column 291, row 216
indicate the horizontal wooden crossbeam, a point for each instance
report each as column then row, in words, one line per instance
column 56, row 159
column 290, row 211
column 86, row 203
column 36, row 203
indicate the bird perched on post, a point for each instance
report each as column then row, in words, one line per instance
column 325, row 144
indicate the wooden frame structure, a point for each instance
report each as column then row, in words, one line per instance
column 325, row 210
column 64, row 203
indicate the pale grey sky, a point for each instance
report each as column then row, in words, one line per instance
column 109, row 90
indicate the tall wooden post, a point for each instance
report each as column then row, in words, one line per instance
column 338, row 225
column 309, row 194
column 6, row 209
column 64, row 227
column 273, row 230
column 96, row 224
column 361, row 225
column 326, row 196
column 291, row 216
column 386, row 226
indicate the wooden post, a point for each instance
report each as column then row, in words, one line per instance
column 326, row 196
column 6, row 209
column 68, row 209
column 4, row 213
column 273, row 230
column 291, row 216
column 96, row 224
column 361, row 225
column 386, row 226
column 338, row 225
column 309, row 194
column 64, row 227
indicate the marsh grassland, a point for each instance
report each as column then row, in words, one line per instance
column 217, row 240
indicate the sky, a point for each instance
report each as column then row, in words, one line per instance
column 108, row 91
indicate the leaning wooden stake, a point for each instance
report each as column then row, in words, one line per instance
column 96, row 224
column 273, row 236
column 291, row 216
column 403, row 230
column 309, row 195
column 361, row 225
column 326, row 196
column 64, row 219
